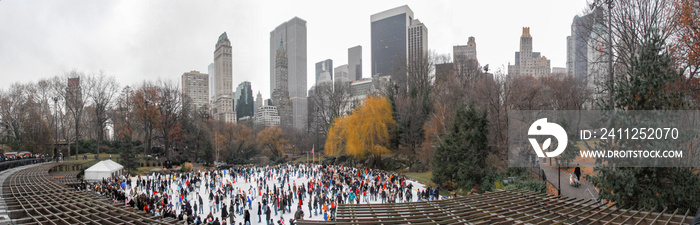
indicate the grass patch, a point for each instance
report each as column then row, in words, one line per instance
column 424, row 178
column 143, row 170
column 91, row 157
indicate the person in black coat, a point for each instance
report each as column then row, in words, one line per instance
column 259, row 211
column 577, row 172
column 224, row 211
column 246, row 217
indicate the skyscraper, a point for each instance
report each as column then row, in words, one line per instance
column 324, row 71
column 280, row 96
column 389, row 39
column 417, row 41
column 195, row 86
column 223, row 68
column 293, row 35
column 341, row 74
column 258, row 102
column 527, row 62
column 355, row 62
column 597, row 77
column 577, row 44
column 245, row 106
column 212, row 78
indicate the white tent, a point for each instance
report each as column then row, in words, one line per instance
column 103, row 169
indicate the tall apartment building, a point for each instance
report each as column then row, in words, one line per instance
column 529, row 63
column 324, row 71
column 195, row 87
column 355, row 63
column 293, row 35
column 389, row 40
column 417, row 41
column 223, row 68
column 280, row 96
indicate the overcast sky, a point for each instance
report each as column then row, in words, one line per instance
column 151, row 40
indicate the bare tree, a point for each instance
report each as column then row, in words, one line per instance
column 146, row 111
column 76, row 98
column 123, row 117
column 331, row 100
column 169, row 107
column 102, row 92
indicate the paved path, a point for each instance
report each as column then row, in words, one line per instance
column 585, row 191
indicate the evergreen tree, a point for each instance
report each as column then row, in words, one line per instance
column 129, row 155
column 459, row 161
column 648, row 86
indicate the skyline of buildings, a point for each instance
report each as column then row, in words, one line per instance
column 393, row 32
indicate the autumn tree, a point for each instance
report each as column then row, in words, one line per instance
column 242, row 146
column 146, row 111
column 273, row 141
column 365, row 132
column 685, row 44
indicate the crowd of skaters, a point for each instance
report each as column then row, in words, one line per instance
column 270, row 193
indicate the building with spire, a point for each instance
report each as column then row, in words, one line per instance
column 293, row 35
column 527, row 62
column 280, row 95
column 258, row 102
column 223, row 85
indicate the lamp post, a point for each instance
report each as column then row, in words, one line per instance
column 205, row 117
column 611, row 81
column 145, row 125
column 558, row 177
column 55, row 146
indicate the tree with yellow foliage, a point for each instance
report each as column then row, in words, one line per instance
column 272, row 140
column 365, row 132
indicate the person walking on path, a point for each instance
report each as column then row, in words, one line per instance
column 259, row 211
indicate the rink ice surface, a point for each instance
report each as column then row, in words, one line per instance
column 240, row 184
